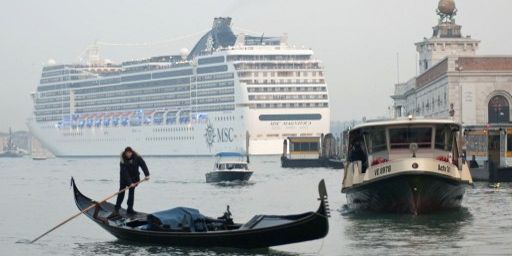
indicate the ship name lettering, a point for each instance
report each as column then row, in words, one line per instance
column 290, row 123
column 225, row 134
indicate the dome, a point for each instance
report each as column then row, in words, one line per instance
column 184, row 52
column 447, row 7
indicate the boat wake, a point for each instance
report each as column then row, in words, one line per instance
column 346, row 210
column 236, row 183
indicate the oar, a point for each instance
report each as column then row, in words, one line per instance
column 88, row 208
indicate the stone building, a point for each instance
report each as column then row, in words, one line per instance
column 454, row 80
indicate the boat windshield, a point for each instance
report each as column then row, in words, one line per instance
column 402, row 137
column 231, row 166
column 236, row 166
column 375, row 139
column 444, row 138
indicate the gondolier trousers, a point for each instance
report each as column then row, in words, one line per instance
column 120, row 197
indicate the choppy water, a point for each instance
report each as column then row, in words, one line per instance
column 35, row 195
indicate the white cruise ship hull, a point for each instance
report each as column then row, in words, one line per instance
column 193, row 139
column 151, row 140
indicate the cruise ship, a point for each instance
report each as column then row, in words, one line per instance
column 231, row 92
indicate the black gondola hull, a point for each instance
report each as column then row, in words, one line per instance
column 236, row 239
column 297, row 228
column 409, row 193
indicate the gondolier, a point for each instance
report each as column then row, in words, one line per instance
column 129, row 175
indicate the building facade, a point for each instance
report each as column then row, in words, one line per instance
column 454, row 81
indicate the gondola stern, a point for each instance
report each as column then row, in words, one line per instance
column 324, row 209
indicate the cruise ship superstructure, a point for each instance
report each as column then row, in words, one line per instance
column 229, row 93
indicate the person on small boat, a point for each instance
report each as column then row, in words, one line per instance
column 129, row 176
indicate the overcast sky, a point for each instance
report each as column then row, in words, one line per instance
column 357, row 40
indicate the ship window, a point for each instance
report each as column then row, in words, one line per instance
column 403, row 137
column 376, row 139
column 444, row 138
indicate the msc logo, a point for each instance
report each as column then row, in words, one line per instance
column 219, row 135
column 210, row 135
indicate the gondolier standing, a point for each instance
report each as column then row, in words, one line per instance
column 129, row 175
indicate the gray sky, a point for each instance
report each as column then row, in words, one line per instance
column 357, row 40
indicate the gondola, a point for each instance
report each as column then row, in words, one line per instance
column 260, row 232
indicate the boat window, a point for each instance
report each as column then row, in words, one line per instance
column 444, row 138
column 376, row 139
column 304, row 146
column 403, row 137
column 239, row 166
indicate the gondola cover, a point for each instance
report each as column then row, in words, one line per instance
column 179, row 218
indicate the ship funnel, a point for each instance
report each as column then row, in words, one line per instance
column 221, row 21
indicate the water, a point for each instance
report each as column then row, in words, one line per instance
column 35, row 195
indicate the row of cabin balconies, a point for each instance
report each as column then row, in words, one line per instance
column 282, row 81
column 281, row 73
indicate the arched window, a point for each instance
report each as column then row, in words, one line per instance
column 499, row 110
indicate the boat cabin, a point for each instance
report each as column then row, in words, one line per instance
column 302, row 147
column 231, row 161
column 375, row 143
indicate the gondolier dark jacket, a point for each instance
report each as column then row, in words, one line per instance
column 129, row 169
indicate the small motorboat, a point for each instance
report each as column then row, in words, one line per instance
column 405, row 166
column 187, row 227
column 229, row 167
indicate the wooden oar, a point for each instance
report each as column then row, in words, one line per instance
column 88, row 208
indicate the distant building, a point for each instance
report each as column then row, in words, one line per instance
column 454, row 81
column 21, row 139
